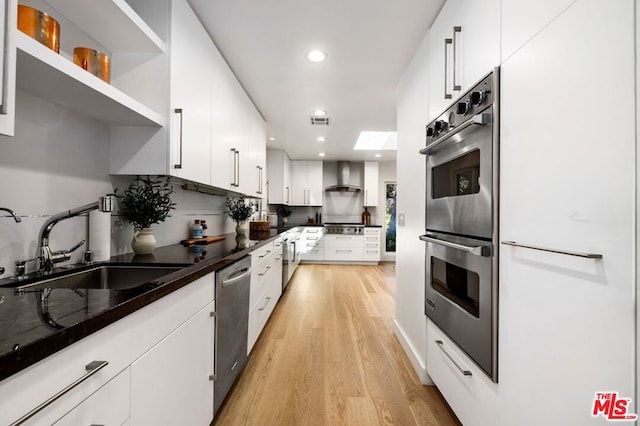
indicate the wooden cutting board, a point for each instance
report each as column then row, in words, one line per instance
column 202, row 241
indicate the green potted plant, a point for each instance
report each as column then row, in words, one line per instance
column 240, row 211
column 283, row 214
column 144, row 203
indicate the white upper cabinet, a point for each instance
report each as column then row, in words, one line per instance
column 8, row 11
column 370, row 183
column 464, row 45
column 279, row 176
column 568, row 186
column 521, row 20
column 190, row 126
column 306, row 183
column 213, row 133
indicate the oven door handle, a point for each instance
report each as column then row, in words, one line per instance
column 482, row 119
column 483, row 251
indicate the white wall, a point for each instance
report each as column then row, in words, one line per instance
column 410, row 322
column 58, row 160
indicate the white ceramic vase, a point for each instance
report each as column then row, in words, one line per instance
column 144, row 240
column 242, row 228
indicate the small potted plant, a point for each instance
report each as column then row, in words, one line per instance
column 283, row 213
column 144, row 203
column 240, row 211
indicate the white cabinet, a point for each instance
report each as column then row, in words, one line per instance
column 568, row 186
column 521, row 20
column 306, row 183
column 469, row 392
column 266, row 287
column 464, row 45
column 343, row 248
column 28, row 389
column 371, row 186
column 371, row 247
column 8, row 11
column 170, row 383
column 311, row 244
column 107, row 406
column 190, row 95
column 279, row 176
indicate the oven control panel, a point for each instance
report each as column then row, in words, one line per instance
column 474, row 101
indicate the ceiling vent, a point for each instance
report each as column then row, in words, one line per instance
column 319, row 121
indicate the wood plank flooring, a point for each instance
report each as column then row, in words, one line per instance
column 328, row 356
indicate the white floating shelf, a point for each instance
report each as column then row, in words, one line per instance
column 43, row 73
column 112, row 23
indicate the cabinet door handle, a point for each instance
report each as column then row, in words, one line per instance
column 440, row 344
column 266, row 302
column 266, row 253
column 92, row 368
column 447, row 42
column 179, row 165
column 214, row 376
column 343, row 251
column 261, row 274
column 456, row 85
column 287, row 195
column 234, row 152
column 259, row 191
column 238, row 168
column 551, row 250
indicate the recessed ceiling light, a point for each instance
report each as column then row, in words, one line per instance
column 272, row 138
column 317, row 56
column 378, row 155
column 321, row 154
column 319, row 113
column 321, row 139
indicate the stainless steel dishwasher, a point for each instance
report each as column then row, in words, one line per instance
column 232, row 307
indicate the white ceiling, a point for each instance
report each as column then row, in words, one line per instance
column 369, row 44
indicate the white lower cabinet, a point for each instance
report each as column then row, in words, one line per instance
column 30, row 388
column 170, row 383
column 372, row 250
column 154, row 368
column 343, row 248
column 469, row 392
column 108, row 406
column 266, row 288
column 311, row 244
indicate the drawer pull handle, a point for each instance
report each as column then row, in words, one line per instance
column 92, row 368
column 266, row 302
column 441, row 346
column 568, row 253
column 265, row 271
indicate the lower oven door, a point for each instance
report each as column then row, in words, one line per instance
column 460, row 297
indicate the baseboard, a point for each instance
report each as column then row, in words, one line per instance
column 414, row 357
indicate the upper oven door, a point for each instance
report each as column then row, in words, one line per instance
column 460, row 179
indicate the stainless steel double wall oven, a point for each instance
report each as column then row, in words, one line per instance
column 461, row 232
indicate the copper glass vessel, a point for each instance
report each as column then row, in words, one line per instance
column 39, row 26
column 93, row 61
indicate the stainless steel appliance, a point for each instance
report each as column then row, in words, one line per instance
column 291, row 255
column 462, row 222
column 343, row 228
column 232, row 311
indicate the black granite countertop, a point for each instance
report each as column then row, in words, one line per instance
column 31, row 330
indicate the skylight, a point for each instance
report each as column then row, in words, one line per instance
column 377, row 141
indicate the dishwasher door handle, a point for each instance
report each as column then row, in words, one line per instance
column 236, row 277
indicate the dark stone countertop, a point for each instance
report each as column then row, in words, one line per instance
column 29, row 333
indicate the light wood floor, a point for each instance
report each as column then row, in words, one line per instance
column 328, row 356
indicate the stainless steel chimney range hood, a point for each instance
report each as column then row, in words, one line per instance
column 344, row 172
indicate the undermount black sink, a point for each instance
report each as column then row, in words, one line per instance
column 114, row 277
